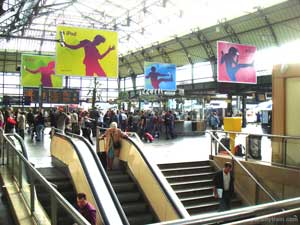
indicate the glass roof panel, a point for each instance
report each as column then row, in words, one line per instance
column 139, row 23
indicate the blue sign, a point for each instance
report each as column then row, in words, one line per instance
column 160, row 76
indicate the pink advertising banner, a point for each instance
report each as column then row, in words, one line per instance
column 235, row 63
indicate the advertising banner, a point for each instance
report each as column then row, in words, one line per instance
column 160, row 76
column 37, row 70
column 86, row 52
column 235, row 63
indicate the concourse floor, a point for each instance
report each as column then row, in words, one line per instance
column 181, row 149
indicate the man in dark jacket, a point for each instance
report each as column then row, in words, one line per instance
column 224, row 186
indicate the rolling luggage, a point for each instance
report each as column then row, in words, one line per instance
column 148, row 137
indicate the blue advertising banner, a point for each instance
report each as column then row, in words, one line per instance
column 160, row 76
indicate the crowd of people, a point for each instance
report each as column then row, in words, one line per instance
column 85, row 122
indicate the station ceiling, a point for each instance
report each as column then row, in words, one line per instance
column 268, row 23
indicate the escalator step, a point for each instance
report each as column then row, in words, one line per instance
column 134, row 208
column 44, row 198
column 141, row 219
column 115, row 172
column 119, row 178
column 61, row 185
column 129, row 197
column 124, row 187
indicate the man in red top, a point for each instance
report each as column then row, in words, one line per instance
column 86, row 209
column 46, row 72
column 92, row 55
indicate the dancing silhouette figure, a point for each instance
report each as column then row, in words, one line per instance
column 46, row 73
column 92, row 55
column 155, row 81
column 231, row 60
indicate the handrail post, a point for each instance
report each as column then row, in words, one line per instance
column 20, row 173
column 3, row 149
column 97, row 138
column 13, row 163
column 32, row 195
column 7, row 153
column 247, row 148
column 211, row 145
column 284, row 151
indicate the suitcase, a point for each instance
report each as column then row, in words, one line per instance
column 148, row 137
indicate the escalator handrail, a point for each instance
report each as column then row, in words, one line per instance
column 83, row 164
column 37, row 175
column 21, row 142
column 104, row 177
column 173, row 202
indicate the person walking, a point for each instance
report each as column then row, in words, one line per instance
column 214, row 122
column 75, row 123
column 86, row 124
column 113, row 136
column 21, row 124
column 224, row 186
column 40, row 123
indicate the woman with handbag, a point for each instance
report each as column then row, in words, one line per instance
column 113, row 137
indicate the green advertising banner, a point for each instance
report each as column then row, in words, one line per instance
column 37, row 70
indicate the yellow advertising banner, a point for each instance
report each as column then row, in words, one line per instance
column 86, row 52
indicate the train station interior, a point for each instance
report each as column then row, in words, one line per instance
column 141, row 112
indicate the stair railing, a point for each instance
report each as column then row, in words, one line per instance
column 234, row 158
column 258, row 213
column 283, row 139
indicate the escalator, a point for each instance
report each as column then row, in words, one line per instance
column 61, row 177
column 85, row 173
column 135, row 206
column 127, row 192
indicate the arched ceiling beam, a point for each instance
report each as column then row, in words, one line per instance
column 262, row 14
column 165, row 56
column 185, row 50
column 230, row 31
column 208, row 50
column 124, row 59
column 138, row 61
column 206, row 45
column 145, row 54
